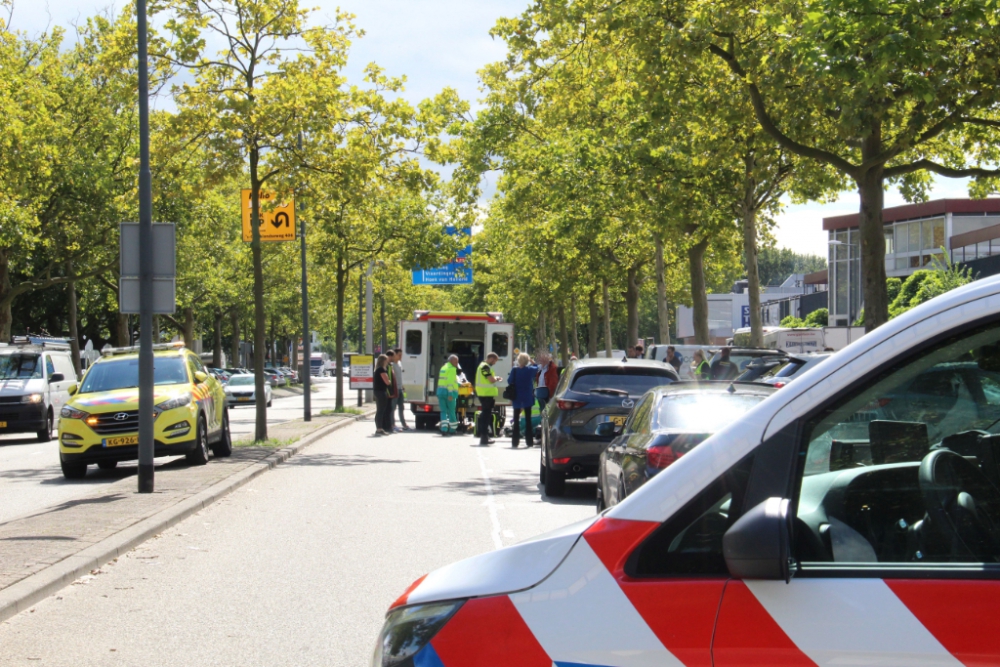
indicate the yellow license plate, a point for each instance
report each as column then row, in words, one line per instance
column 619, row 420
column 3, row 424
column 119, row 442
column 243, row 398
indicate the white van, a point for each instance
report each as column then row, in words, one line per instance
column 36, row 375
column 799, row 340
column 430, row 338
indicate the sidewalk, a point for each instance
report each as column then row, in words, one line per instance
column 44, row 551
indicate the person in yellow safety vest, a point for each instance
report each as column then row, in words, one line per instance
column 487, row 392
column 447, row 393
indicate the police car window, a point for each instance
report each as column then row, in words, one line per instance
column 414, row 341
column 500, row 344
column 690, row 542
column 124, row 374
column 907, row 468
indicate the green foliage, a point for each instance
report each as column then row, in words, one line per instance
column 818, row 318
column 776, row 264
column 792, row 322
column 925, row 284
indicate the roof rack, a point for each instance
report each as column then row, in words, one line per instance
column 114, row 351
column 41, row 342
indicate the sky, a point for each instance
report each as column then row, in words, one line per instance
column 443, row 43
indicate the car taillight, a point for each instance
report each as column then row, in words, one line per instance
column 563, row 404
column 660, row 456
column 779, row 385
column 424, row 408
column 561, row 462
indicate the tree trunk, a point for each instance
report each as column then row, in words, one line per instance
column 576, row 326
column 540, row 336
column 632, row 306
column 217, row 340
column 234, row 344
column 74, row 333
column 608, row 346
column 5, row 296
column 753, row 276
column 342, row 278
column 870, row 190
column 122, row 333
column 662, row 315
column 563, row 337
column 188, row 331
column 260, row 322
column 699, row 295
column 593, row 324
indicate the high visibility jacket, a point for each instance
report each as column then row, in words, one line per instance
column 483, row 385
column 448, row 378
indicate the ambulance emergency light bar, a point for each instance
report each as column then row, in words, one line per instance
column 429, row 316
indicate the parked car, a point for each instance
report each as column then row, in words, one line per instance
column 739, row 554
column 219, row 374
column 292, row 376
column 665, row 425
column 782, row 374
column 760, row 366
column 236, row 371
column 276, row 378
column 35, row 377
column 742, row 357
column 240, row 391
column 591, row 392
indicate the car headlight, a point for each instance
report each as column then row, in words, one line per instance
column 69, row 412
column 32, row 398
column 407, row 631
column 173, row 403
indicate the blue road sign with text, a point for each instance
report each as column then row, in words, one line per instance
column 456, row 272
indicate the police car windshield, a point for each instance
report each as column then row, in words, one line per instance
column 20, row 367
column 124, row 374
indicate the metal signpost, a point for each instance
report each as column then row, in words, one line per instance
column 306, row 336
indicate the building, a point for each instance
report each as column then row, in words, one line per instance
column 915, row 235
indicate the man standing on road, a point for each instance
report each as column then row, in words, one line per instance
column 487, row 392
column 674, row 359
column 546, row 379
column 393, row 391
column 723, row 368
column 447, row 393
column 398, row 374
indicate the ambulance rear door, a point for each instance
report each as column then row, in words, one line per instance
column 415, row 337
column 500, row 339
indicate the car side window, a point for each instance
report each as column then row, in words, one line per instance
column 906, row 469
column 192, row 365
column 638, row 419
column 50, row 369
column 690, row 542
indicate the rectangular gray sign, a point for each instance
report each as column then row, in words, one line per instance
column 164, row 268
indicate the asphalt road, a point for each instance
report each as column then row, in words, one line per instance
column 298, row 567
column 30, row 477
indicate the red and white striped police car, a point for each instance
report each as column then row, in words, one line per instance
column 852, row 518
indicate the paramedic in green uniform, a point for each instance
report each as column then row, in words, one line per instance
column 487, row 392
column 447, row 393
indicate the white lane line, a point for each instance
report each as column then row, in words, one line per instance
column 490, row 503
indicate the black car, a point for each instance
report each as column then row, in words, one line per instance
column 751, row 362
column 591, row 392
column 666, row 424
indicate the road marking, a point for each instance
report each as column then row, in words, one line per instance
column 490, row 503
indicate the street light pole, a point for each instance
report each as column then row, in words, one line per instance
column 306, row 337
column 146, row 450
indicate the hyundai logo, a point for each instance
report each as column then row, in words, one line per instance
column 121, row 416
column 628, row 403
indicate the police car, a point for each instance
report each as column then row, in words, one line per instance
column 851, row 518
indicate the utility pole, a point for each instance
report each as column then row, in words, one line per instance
column 369, row 323
column 146, row 452
column 385, row 342
column 306, row 336
column 361, row 318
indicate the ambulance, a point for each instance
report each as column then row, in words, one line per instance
column 431, row 337
column 852, row 518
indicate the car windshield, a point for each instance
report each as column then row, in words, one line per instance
column 124, row 373
column 702, row 412
column 241, row 380
column 20, row 367
column 620, row 381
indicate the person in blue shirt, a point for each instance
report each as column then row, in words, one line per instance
column 522, row 378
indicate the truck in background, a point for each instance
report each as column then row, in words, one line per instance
column 430, row 338
column 798, row 340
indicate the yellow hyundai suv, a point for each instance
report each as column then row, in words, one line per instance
column 100, row 423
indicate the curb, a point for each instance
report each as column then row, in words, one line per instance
column 31, row 590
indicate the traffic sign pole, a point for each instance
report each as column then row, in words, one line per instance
column 306, row 337
column 146, row 448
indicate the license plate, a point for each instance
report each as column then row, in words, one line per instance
column 618, row 420
column 244, row 399
column 3, row 424
column 119, row 442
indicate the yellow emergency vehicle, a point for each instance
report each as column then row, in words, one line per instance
column 100, row 423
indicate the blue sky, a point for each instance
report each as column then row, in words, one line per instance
column 443, row 43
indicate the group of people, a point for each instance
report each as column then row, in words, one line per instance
column 387, row 386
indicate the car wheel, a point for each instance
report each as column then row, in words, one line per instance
column 224, row 447
column 541, row 472
column 107, row 465
column 555, row 482
column 45, row 434
column 74, row 470
column 269, row 401
column 199, row 455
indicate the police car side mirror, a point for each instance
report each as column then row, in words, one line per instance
column 757, row 546
column 200, row 377
column 57, row 377
column 72, row 389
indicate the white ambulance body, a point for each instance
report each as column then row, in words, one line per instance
column 799, row 340
column 430, row 338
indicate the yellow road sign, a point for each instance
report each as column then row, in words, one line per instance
column 277, row 221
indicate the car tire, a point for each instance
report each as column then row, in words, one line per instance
column 107, row 465
column 269, row 401
column 74, row 470
column 45, row 434
column 555, row 482
column 199, row 455
column 541, row 473
column 224, row 447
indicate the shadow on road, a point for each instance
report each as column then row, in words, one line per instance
column 520, row 483
column 13, row 442
column 339, row 460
